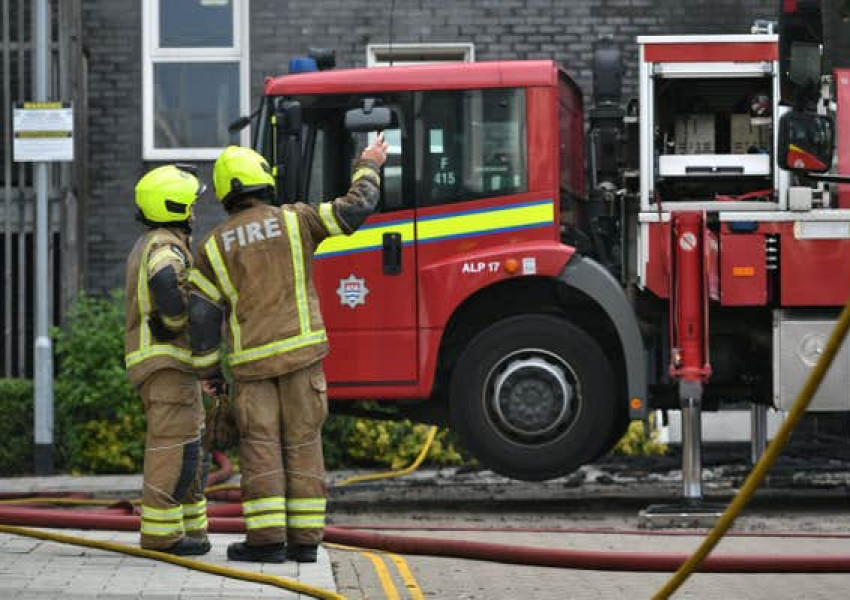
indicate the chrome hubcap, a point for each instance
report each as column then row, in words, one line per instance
column 531, row 396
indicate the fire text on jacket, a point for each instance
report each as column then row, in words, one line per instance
column 251, row 232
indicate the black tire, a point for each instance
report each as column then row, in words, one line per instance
column 558, row 406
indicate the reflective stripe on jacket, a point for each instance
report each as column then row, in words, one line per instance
column 259, row 265
column 143, row 353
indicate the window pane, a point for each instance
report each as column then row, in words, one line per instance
column 335, row 148
column 474, row 144
column 325, row 186
column 196, row 24
column 194, row 103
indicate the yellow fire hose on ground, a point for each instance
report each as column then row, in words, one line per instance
column 757, row 475
column 397, row 473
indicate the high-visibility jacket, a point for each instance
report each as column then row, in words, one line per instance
column 257, row 266
column 155, row 250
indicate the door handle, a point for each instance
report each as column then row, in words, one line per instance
column 392, row 253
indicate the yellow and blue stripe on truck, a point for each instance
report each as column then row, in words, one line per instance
column 447, row 226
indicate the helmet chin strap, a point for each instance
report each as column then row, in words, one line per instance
column 184, row 226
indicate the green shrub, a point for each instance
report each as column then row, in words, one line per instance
column 90, row 438
column 338, row 429
column 16, row 427
column 351, row 441
column 106, row 424
column 638, row 442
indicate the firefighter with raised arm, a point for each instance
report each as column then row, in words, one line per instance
column 255, row 270
column 159, row 363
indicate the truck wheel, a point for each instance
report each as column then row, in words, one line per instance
column 533, row 398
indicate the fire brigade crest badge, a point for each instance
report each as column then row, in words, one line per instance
column 352, row 291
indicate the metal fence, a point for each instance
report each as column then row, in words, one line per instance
column 17, row 194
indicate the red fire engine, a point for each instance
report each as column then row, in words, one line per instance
column 536, row 310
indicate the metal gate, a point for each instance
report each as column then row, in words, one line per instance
column 17, row 193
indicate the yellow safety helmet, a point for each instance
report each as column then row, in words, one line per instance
column 166, row 194
column 239, row 171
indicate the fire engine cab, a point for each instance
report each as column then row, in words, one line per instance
column 536, row 309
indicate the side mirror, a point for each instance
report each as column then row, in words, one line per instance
column 288, row 116
column 368, row 118
column 239, row 124
column 806, row 142
column 800, row 41
column 805, row 65
column 242, row 122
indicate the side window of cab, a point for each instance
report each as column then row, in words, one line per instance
column 471, row 144
column 330, row 150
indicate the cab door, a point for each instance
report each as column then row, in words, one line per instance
column 367, row 281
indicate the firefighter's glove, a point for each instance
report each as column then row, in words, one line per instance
column 214, row 386
column 159, row 330
column 220, row 432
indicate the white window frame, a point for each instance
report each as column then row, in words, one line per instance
column 412, row 54
column 152, row 54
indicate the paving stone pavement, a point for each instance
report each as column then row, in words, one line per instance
column 34, row 569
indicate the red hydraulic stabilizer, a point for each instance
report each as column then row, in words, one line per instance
column 689, row 285
column 689, row 291
column 693, row 280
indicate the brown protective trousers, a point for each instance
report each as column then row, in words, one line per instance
column 175, row 471
column 280, row 451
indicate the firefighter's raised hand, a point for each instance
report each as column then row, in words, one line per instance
column 377, row 152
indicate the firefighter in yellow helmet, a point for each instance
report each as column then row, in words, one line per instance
column 159, row 364
column 256, row 268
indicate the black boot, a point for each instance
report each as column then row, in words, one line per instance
column 270, row 553
column 303, row 553
column 189, row 546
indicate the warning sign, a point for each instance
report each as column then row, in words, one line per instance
column 43, row 131
column 687, row 241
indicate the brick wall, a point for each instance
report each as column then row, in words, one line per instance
column 500, row 29
column 113, row 42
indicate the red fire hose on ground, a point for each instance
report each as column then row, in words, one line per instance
column 227, row 519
